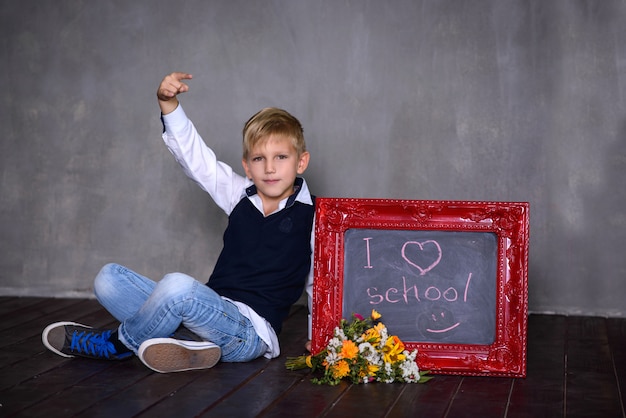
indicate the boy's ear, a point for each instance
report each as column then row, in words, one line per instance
column 246, row 168
column 303, row 163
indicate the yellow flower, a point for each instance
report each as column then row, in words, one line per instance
column 372, row 369
column 340, row 369
column 392, row 351
column 372, row 336
column 369, row 371
column 375, row 315
column 349, row 350
column 343, row 359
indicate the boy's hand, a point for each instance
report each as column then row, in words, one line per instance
column 169, row 88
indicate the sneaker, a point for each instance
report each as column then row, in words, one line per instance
column 69, row 339
column 166, row 355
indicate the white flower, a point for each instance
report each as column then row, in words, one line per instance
column 410, row 355
column 388, row 373
column 332, row 357
column 370, row 354
column 409, row 370
column 340, row 334
column 335, row 343
column 383, row 335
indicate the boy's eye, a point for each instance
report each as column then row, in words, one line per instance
column 256, row 159
column 283, row 157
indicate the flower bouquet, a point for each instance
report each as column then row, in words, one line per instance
column 362, row 351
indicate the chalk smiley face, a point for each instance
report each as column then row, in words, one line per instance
column 439, row 322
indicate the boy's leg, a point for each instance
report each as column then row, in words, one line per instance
column 123, row 292
column 179, row 299
column 119, row 290
column 153, row 311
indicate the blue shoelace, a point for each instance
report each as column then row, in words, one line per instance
column 93, row 343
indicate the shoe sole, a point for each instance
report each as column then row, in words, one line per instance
column 46, row 331
column 167, row 355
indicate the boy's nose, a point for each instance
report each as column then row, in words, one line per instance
column 269, row 168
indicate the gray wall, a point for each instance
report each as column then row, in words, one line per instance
column 506, row 100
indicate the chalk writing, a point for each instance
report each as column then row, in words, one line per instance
column 367, row 250
column 421, row 245
column 405, row 293
column 439, row 285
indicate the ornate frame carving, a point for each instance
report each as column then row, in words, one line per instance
column 508, row 220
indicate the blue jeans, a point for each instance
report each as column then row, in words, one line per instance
column 149, row 309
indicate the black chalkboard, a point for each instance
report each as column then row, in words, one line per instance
column 430, row 286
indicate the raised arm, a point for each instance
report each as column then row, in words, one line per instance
column 197, row 160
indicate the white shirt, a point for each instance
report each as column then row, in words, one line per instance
column 226, row 188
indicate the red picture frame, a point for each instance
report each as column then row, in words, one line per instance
column 509, row 221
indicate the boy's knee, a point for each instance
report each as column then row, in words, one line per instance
column 176, row 282
column 104, row 278
column 109, row 268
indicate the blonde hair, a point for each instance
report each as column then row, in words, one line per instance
column 272, row 121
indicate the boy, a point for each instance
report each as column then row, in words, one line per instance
column 260, row 273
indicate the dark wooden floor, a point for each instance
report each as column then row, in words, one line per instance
column 576, row 368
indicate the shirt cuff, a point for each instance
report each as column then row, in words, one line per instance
column 175, row 120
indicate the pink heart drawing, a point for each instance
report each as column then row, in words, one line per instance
column 421, row 247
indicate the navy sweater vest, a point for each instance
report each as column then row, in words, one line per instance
column 265, row 260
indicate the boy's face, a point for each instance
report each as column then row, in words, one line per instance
column 273, row 165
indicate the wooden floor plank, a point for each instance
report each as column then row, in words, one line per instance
column 432, row 399
column 305, row 399
column 483, row 396
column 547, row 329
column 140, row 396
column 257, row 394
column 371, row 400
column 590, row 378
column 576, row 367
column 34, row 312
column 51, row 383
column 590, row 328
column 542, row 392
column 616, row 329
column 274, row 381
column 84, row 395
column 14, row 306
column 210, row 387
column 15, row 329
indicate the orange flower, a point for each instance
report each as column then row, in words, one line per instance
column 349, row 350
column 340, row 369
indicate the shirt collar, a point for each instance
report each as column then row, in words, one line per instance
column 301, row 194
